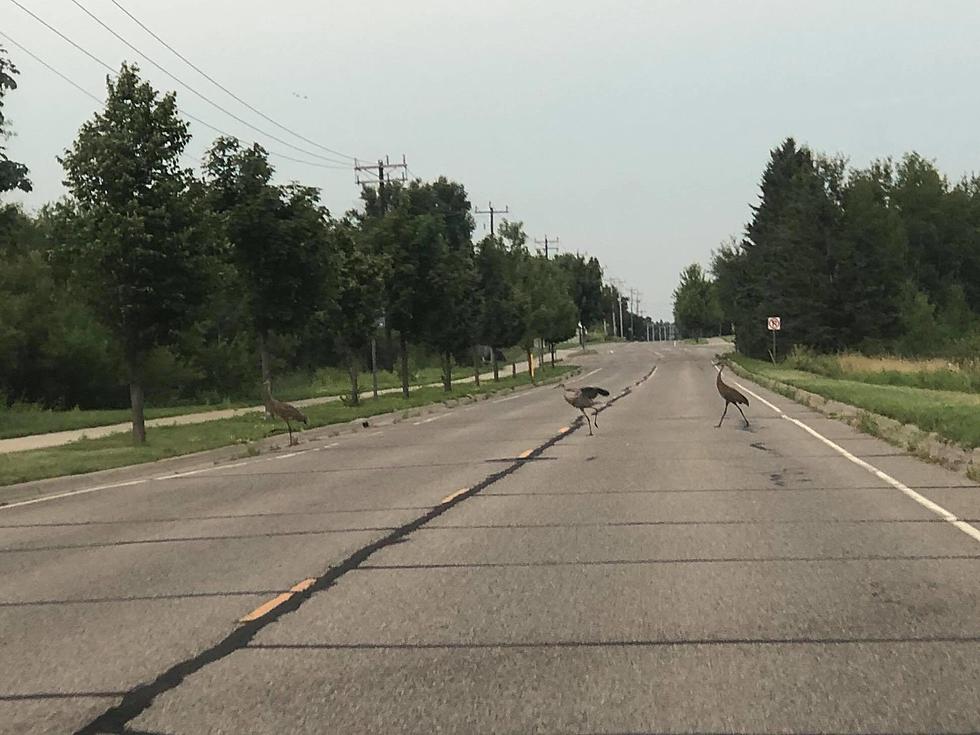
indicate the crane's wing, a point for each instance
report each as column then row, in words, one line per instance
column 590, row 391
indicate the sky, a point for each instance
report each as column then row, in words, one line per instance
column 633, row 131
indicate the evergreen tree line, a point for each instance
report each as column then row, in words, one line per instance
column 880, row 259
column 148, row 280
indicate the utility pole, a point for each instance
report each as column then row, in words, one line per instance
column 545, row 242
column 376, row 174
column 491, row 211
column 367, row 181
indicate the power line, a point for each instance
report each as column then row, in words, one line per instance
column 79, row 87
column 112, row 72
column 223, row 88
column 50, row 68
column 194, row 91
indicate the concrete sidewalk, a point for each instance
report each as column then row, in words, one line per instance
column 59, row 438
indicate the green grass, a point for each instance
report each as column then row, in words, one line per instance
column 89, row 455
column 953, row 415
column 25, row 420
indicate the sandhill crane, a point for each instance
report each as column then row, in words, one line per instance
column 284, row 411
column 730, row 395
column 583, row 398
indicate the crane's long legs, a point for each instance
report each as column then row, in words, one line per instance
column 587, row 420
column 595, row 416
column 290, row 429
column 723, row 414
column 743, row 415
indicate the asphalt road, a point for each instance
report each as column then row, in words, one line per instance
column 660, row 576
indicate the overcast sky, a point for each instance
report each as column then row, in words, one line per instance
column 634, row 131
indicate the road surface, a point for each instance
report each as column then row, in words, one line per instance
column 660, row 576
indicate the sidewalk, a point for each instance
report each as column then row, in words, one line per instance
column 58, row 438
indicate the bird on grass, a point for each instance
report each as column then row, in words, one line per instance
column 284, row 411
column 583, row 398
column 731, row 396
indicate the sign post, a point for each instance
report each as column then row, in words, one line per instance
column 775, row 324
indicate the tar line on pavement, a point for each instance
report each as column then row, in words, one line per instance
column 141, row 697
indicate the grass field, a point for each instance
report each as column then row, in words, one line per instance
column 954, row 415
column 962, row 376
column 89, row 455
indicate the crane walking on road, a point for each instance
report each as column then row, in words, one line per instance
column 730, row 395
column 284, row 411
column 583, row 398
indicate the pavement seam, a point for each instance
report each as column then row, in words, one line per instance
column 141, row 697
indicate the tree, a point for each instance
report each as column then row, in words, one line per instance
column 138, row 217
column 451, row 323
column 549, row 313
column 500, row 318
column 359, row 296
column 869, row 259
column 696, row 306
column 13, row 175
column 585, row 287
column 784, row 264
column 277, row 239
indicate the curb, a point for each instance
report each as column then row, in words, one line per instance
column 917, row 442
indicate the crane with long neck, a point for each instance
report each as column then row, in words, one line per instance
column 732, row 397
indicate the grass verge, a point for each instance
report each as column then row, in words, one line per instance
column 90, row 455
column 29, row 420
column 953, row 415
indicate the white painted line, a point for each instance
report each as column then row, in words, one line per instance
column 509, row 398
column 922, row 500
column 287, row 456
column 70, row 494
column 197, row 472
column 583, row 377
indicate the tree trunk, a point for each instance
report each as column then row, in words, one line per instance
column 540, row 353
column 374, row 366
column 581, row 337
column 496, row 368
column 530, row 364
column 552, row 354
column 264, row 359
column 447, row 372
column 136, row 400
column 355, row 393
column 476, row 366
column 389, row 363
column 403, row 345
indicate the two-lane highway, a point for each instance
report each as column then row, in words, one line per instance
column 483, row 570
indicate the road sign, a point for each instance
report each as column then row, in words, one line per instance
column 774, row 324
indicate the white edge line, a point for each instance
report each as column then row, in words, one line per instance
column 583, row 377
column 70, row 494
column 922, row 500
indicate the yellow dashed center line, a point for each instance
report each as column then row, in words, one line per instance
column 563, row 429
column 525, row 454
column 276, row 601
column 455, row 495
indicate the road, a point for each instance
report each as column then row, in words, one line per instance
column 660, row 576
